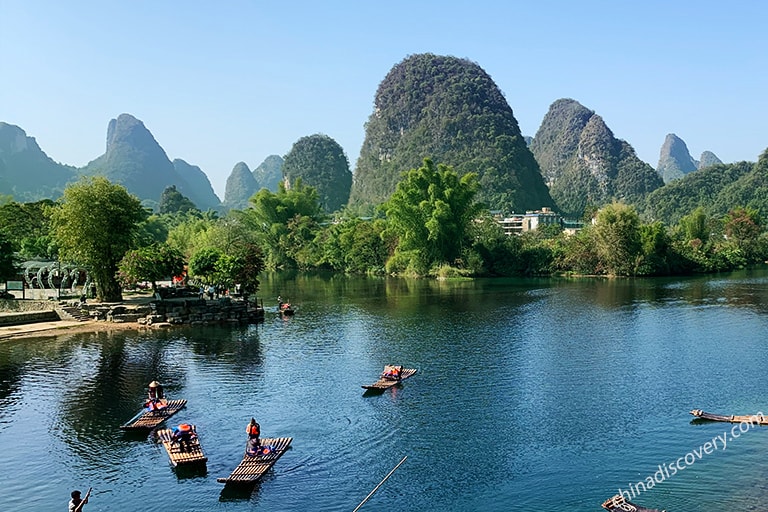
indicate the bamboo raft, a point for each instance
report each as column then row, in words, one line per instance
column 252, row 467
column 619, row 504
column 755, row 419
column 147, row 420
column 383, row 384
column 178, row 457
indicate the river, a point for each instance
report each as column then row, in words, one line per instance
column 535, row 394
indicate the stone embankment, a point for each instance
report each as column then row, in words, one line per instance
column 189, row 311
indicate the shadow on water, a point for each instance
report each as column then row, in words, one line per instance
column 190, row 471
column 238, row 492
column 137, row 435
column 379, row 392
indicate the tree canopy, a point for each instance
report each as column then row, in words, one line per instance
column 173, row 201
column 151, row 263
column 8, row 268
column 430, row 212
column 285, row 224
column 95, row 226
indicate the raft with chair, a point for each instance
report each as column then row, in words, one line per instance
column 386, row 383
column 755, row 419
column 619, row 504
column 147, row 420
column 253, row 467
column 179, row 454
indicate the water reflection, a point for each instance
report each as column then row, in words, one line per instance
column 530, row 394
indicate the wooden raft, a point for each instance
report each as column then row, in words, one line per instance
column 178, row 458
column 619, row 504
column 252, row 468
column 147, row 420
column 755, row 419
column 383, row 384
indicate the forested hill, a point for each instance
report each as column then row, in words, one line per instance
column 716, row 189
column 674, row 159
column 584, row 164
column 450, row 110
column 26, row 172
column 135, row 160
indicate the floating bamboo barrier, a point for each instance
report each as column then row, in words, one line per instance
column 383, row 384
column 619, row 504
column 755, row 419
column 252, row 467
column 193, row 455
column 147, row 420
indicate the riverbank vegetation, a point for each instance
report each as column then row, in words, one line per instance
column 431, row 226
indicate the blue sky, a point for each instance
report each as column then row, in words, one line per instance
column 222, row 82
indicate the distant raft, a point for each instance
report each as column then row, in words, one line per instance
column 755, row 419
column 147, row 420
column 619, row 504
column 252, row 467
column 182, row 455
column 382, row 383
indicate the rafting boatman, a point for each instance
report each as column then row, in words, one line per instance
column 76, row 504
column 156, row 400
column 253, row 446
column 392, row 372
column 183, row 435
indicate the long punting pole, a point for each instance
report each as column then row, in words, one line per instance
column 380, row 483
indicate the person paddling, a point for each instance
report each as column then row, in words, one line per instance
column 254, row 442
column 76, row 504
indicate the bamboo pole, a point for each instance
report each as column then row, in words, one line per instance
column 380, row 483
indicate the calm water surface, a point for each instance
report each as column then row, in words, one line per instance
column 531, row 395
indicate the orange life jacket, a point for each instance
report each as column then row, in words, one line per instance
column 254, row 430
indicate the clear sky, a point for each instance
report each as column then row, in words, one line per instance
column 218, row 83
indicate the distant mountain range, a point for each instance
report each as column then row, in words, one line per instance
column 133, row 158
column 675, row 161
column 584, row 164
column 444, row 108
column 26, row 172
column 450, row 110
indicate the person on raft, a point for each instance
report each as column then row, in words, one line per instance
column 183, row 435
column 392, row 372
column 253, row 446
column 156, row 399
column 76, row 503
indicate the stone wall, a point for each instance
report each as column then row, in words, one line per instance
column 28, row 317
column 175, row 311
column 178, row 311
column 19, row 306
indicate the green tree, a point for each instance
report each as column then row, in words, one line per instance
column 500, row 253
column 430, row 212
column 204, row 265
column 27, row 227
column 151, row 263
column 695, row 226
column 285, row 223
column 743, row 227
column 617, row 239
column 95, row 226
column 354, row 245
column 242, row 267
column 579, row 253
column 655, row 246
column 173, row 201
column 8, row 268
